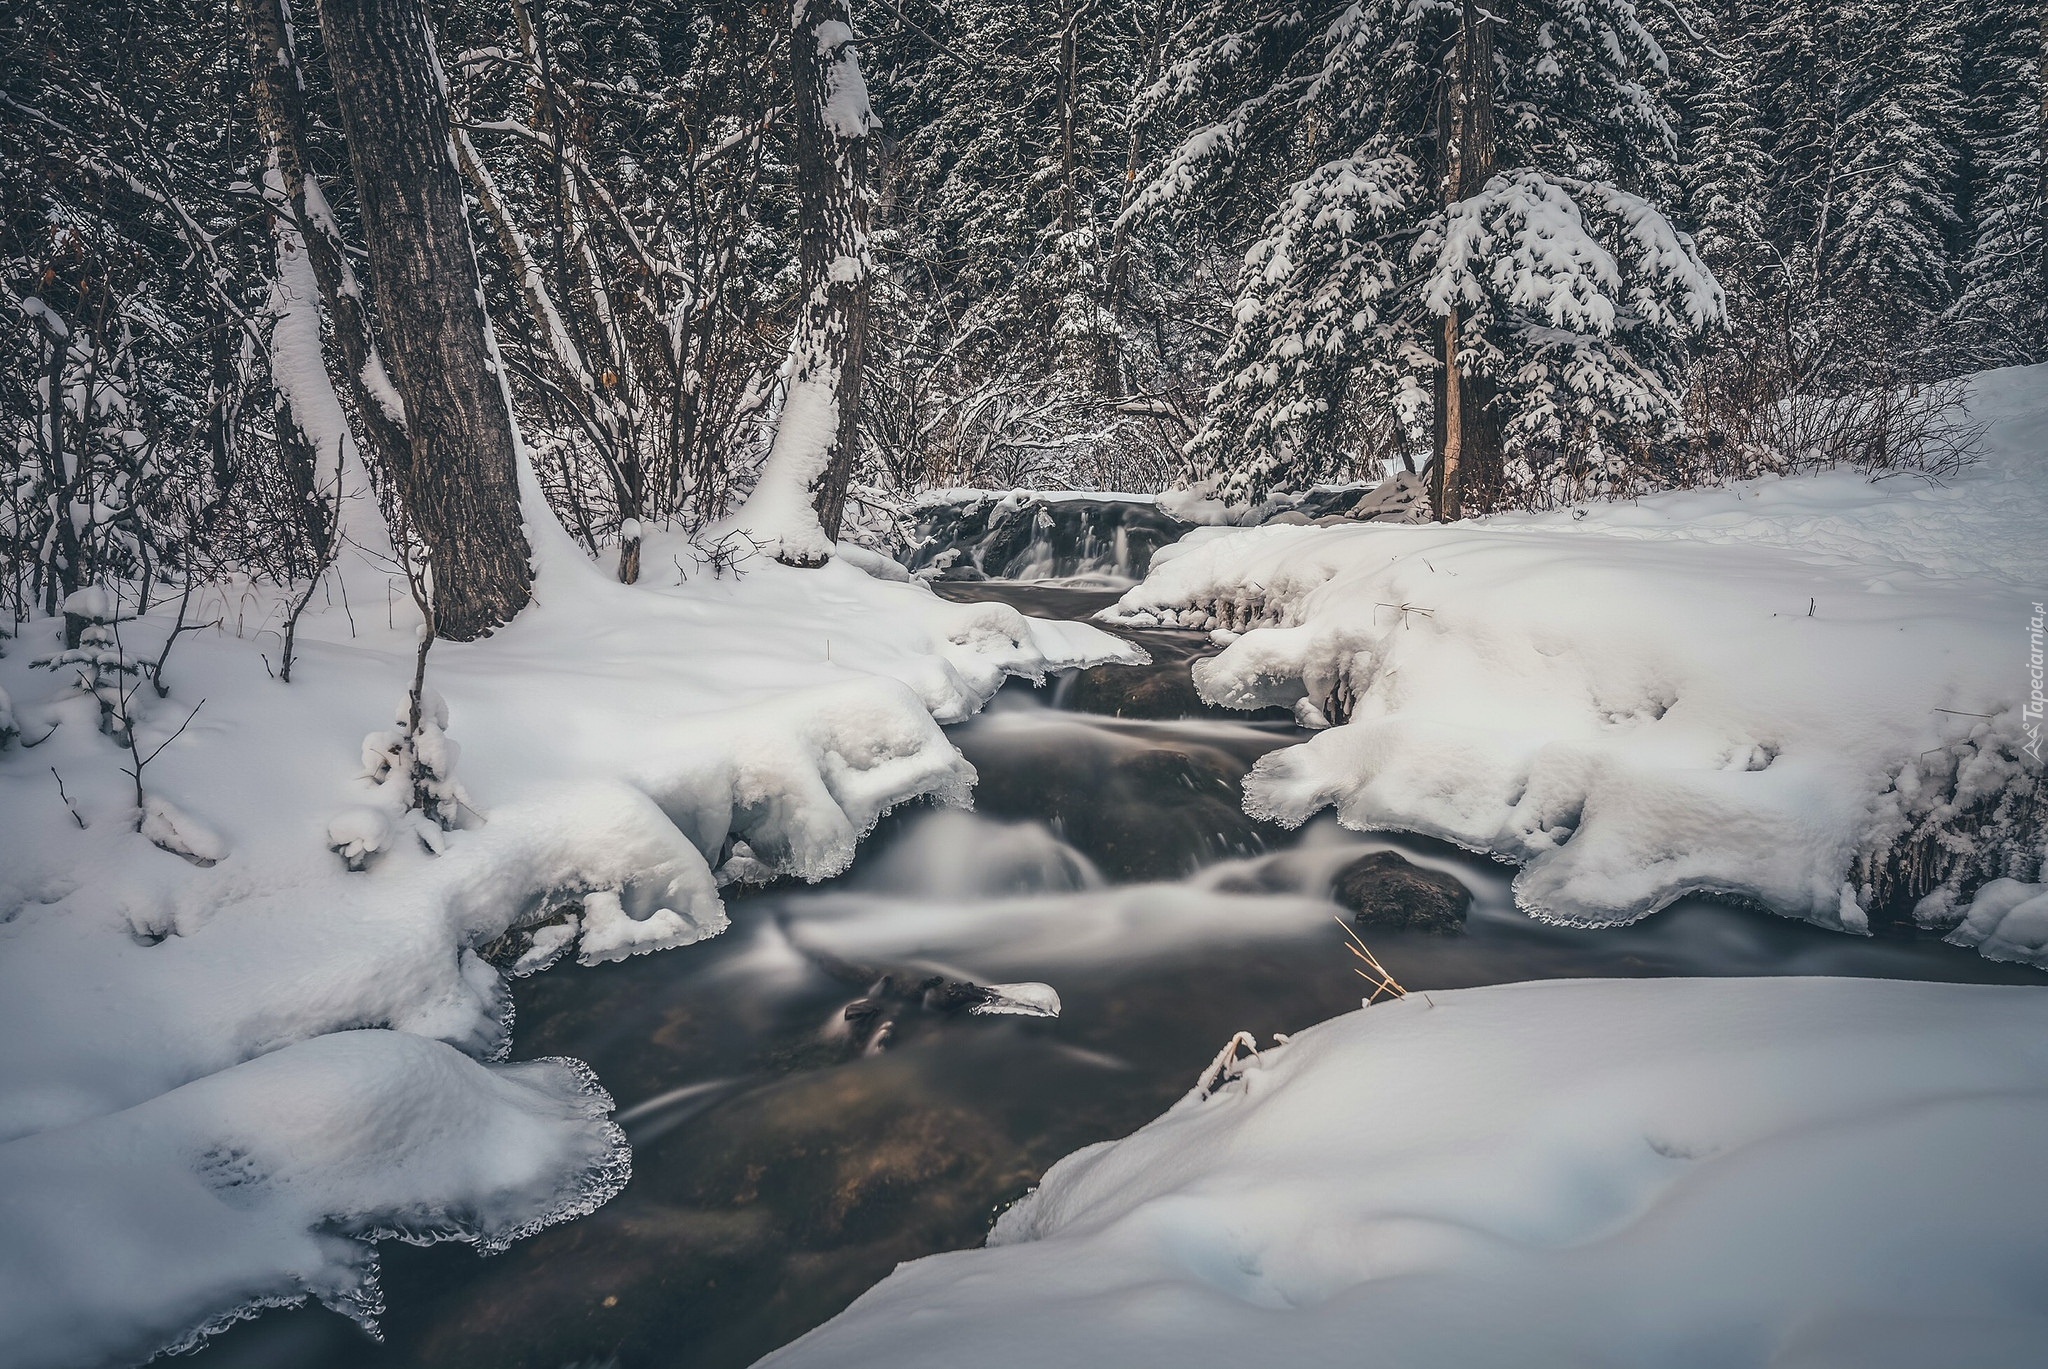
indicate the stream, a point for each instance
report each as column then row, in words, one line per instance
column 789, row 1153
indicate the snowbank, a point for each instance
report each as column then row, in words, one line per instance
column 192, row 1121
column 1811, row 693
column 1700, row 1173
column 268, row 1181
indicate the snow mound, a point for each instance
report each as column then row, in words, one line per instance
column 268, row 1182
column 1709, row 1173
column 162, row 989
column 2007, row 920
column 1810, row 693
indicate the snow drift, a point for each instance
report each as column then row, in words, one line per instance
column 1810, row 693
column 246, row 1040
column 1699, row 1173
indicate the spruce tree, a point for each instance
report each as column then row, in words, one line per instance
column 2003, row 311
column 1456, row 184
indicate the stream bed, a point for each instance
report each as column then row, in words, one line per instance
column 808, row 1107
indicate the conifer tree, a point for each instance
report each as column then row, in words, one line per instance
column 2003, row 311
column 1467, row 254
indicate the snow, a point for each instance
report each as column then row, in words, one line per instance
column 170, row 828
column 779, row 517
column 142, row 1228
column 610, row 933
column 1707, row 1173
column 1786, row 691
column 92, row 603
column 2007, row 920
column 1019, row 1000
column 181, row 1014
column 298, row 369
column 846, row 109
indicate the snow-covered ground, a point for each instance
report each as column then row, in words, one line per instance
column 1689, row 1174
column 232, row 1063
column 1822, row 694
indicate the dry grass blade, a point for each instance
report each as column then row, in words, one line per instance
column 1225, row 1066
column 1373, row 972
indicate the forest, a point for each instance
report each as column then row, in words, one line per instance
column 1083, row 245
column 880, row 684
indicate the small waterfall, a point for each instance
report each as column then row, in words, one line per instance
column 979, row 535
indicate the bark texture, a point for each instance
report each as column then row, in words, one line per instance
column 461, row 488
column 281, row 124
column 1466, row 476
column 832, row 198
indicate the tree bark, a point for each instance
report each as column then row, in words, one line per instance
column 461, row 492
column 832, row 197
column 2041, row 160
column 281, row 125
column 1466, row 476
column 796, row 508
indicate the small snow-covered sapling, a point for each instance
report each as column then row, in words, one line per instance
column 414, row 766
column 104, row 670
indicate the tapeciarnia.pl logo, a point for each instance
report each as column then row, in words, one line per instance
column 2037, row 701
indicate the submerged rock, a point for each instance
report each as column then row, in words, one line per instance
column 1386, row 890
column 900, row 999
column 1140, row 804
column 1121, row 691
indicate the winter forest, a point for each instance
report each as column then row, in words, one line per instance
column 1486, row 558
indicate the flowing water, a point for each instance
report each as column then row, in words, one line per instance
column 787, row 1154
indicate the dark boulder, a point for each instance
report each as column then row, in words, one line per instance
column 1384, row 890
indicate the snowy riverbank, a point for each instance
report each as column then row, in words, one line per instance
column 1697, row 1173
column 1813, row 693
column 232, row 1068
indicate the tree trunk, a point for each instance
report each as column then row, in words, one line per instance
column 1070, row 112
column 60, row 568
column 832, row 157
column 1466, row 477
column 462, row 489
column 797, row 507
column 281, row 125
column 2041, row 162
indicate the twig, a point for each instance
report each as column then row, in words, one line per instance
column 67, row 800
column 141, row 760
column 1219, row 1072
column 158, row 749
column 156, row 672
column 1405, row 610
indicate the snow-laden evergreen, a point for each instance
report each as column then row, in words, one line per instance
column 1574, row 295
column 2003, row 311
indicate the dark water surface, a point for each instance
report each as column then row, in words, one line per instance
column 784, row 1163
